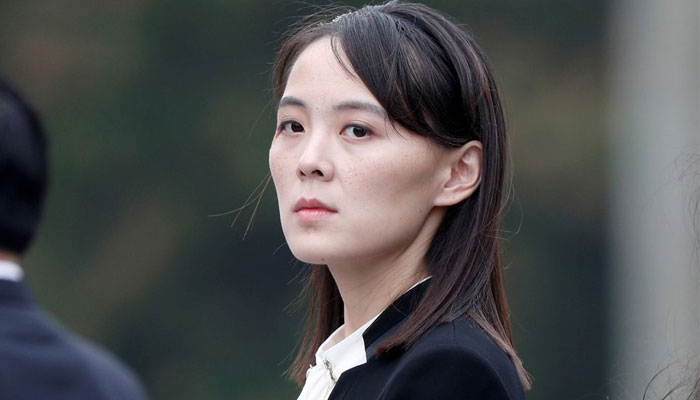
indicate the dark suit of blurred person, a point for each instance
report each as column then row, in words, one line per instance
column 39, row 358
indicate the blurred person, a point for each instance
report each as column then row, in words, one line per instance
column 390, row 166
column 39, row 358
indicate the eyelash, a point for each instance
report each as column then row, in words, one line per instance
column 283, row 125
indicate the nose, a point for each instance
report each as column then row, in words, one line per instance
column 314, row 161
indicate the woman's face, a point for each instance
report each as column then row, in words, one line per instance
column 334, row 144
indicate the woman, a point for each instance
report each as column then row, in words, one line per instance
column 389, row 163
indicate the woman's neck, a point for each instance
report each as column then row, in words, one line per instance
column 367, row 294
column 7, row 256
column 368, row 289
column 369, row 286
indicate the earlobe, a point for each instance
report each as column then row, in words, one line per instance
column 465, row 166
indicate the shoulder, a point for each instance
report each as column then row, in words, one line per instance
column 456, row 360
column 37, row 353
column 110, row 374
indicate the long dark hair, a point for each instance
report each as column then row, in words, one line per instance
column 431, row 78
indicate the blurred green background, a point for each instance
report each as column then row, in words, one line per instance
column 158, row 116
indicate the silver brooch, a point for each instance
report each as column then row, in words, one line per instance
column 329, row 367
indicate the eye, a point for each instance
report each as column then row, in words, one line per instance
column 290, row 127
column 357, row 131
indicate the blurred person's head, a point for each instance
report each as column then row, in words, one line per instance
column 390, row 115
column 23, row 172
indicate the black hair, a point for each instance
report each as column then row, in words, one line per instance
column 23, row 170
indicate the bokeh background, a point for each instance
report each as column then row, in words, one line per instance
column 159, row 117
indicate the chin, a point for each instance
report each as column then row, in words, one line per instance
column 311, row 256
column 314, row 253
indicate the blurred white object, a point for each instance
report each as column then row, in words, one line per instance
column 655, row 169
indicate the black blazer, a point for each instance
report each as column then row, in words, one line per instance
column 39, row 359
column 455, row 360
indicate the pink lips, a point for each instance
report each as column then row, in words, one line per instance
column 312, row 209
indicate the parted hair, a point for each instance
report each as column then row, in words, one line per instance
column 433, row 79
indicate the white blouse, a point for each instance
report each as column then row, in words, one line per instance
column 335, row 356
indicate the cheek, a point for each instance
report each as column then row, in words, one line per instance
column 393, row 190
column 391, row 177
column 387, row 208
column 282, row 168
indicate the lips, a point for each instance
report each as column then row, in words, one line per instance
column 312, row 204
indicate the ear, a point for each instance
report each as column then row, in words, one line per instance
column 465, row 165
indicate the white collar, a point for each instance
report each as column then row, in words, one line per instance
column 10, row 271
column 334, row 357
column 338, row 354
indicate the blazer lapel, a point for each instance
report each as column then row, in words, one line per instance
column 390, row 319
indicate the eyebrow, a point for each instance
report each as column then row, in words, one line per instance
column 346, row 105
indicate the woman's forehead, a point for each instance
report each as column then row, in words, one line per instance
column 320, row 62
column 318, row 79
